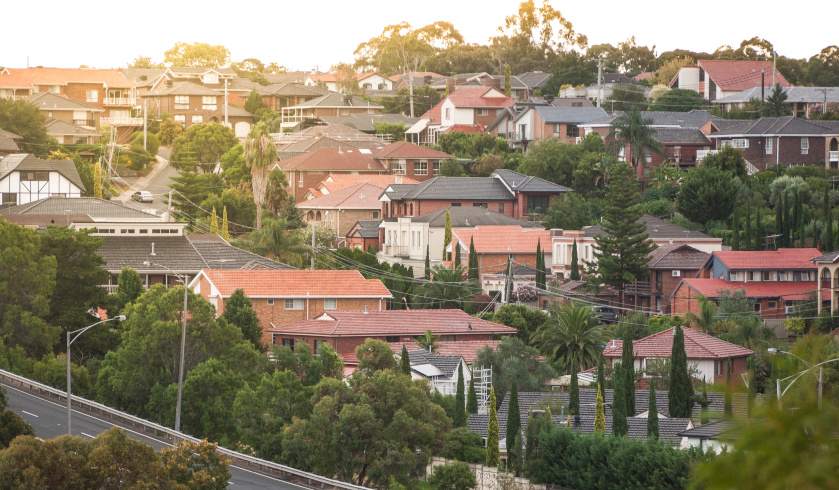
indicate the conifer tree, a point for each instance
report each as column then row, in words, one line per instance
column 456, row 246
column 728, row 407
column 652, row 413
column 473, row 262
column 472, row 397
column 98, row 187
column 619, row 427
column 760, row 231
column 703, row 402
column 508, row 81
column 447, row 234
column 508, row 284
column 735, row 232
column 214, row 222
column 601, row 375
column 492, row 456
column 225, row 225
column 405, row 361
column 540, row 266
column 747, row 239
column 628, row 373
column 680, row 396
column 460, row 400
column 574, row 394
column 575, row 263
column 427, row 273
column 513, row 422
column 599, row 411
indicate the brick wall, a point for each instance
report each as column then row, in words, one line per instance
column 668, row 284
column 788, row 151
column 339, row 221
column 429, row 206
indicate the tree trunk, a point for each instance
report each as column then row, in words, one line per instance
column 259, row 183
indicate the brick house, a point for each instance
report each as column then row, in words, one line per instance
column 364, row 235
column 417, row 162
column 335, row 182
column 668, row 265
column 547, row 121
column 275, row 96
column 803, row 102
column 716, row 79
column 773, row 301
column 25, row 178
column 338, row 211
column 59, row 108
column 190, row 103
column 288, row 296
column 308, row 170
column 780, row 141
column 344, row 330
column 330, row 104
column 708, row 356
column 470, row 108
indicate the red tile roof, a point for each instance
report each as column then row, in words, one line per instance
column 334, row 182
column 469, row 96
column 334, row 159
column 783, row 258
column 404, row 149
column 394, row 322
column 503, row 239
column 712, row 288
column 737, row 75
column 698, row 345
column 359, row 196
column 296, row 283
column 27, row 77
column 467, row 349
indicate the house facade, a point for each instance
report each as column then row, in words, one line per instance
column 411, row 160
column 668, row 265
column 364, row 235
column 803, row 102
column 308, row 170
column 340, row 210
column 25, row 178
column 467, row 108
column 717, row 79
column 330, row 104
column 541, row 122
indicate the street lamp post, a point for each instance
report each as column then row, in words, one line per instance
column 183, row 279
column 71, row 337
column 797, row 375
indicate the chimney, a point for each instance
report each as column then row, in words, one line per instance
column 152, row 250
column 450, row 85
column 494, row 82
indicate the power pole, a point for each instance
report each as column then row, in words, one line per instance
column 312, row 260
column 145, row 124
column 600, row 82
column 226, row 123
column 773, row 68
column 762, row 86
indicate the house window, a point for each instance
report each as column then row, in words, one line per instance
column 392, row 338
column 421, row 168
column 448, row 113
column 771, row 305
column 8, row 198
column 374, row 215
column 436, row 167
column 769, row 146
column 294, row 304
column 288, row 342
column 676, row 273
column 208, row 102
column 482, row 112
column 318, row 344
column 270, row 301
column 572, row 130
column 399, row 167
column 537, row 204
column 764, row 275
column 92, row 96
column 180, row 118
column 330, row 304
column 300, row 181
column 805, row 146
column 757, row 307
column 557, row 129
column 480, row 205
column 197, row 119
column 35, row 176
column 455, row 204
column 739, row 143
column 54, row 89
column 182, row 102
column 501, row 207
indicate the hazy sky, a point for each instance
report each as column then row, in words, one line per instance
column 309, row 33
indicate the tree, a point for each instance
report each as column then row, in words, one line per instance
column 427, row 341
column 472, row 397
column 622, row 248
column 460, row 400
column 199, row 55
column 253, row 103
column 574, row 394
column 652, row 414
column 11, row 425
column 619, row 424
column 452, row 476
column 456, row 246
column 729, row 160
column 374, row 355
column 214, row 222
column 571, row 337
column 513, row 361
column 628, row 373
column 599, row 412
column 239, row 312
column 225, row 224
column 678, row 100
column 707, row 194
column 447, row 288
column 405, row 361
column 195, row 465
column 260, row 152
column 447, row 234
column 822, row 68
column 492, row 458
column 680, row 395
column 278, row 240
column 121, row 461
column 474, row 271
column 144, row 62
column 463, row 445
column 627, row 97
column 169, row 130
column 632, row 130
column 25, row 120
column 575, row 264
column 776, row 102
column 202, row 144
column 514, row 428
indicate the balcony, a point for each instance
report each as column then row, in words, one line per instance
column 833, row 156
column 397, row 251
column 701, row 154
column 121, row 121
column 120, row 101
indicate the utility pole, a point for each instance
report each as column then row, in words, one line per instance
column 226, row 122
column 762, row 86
column 599, row 82
column 773, row 68
column 145, row 124
column 312, row 260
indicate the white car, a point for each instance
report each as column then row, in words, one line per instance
column 143, row 196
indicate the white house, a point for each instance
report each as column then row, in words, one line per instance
column 25, row 178
column 374, row 81
column 441, row 371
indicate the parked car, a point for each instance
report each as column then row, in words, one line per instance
column 143, row 196
column 605, row 314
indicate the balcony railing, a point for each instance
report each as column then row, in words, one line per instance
column 121, row 121
column 396, row 251
column 833, row 156
column 701, row 154
column 129, row 101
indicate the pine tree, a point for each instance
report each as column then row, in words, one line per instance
column 574, row 394
column 508, row 81
column 508, row 284
column 405, row 361
column 513, row 422
column 619, row 427
column 514, row 455
column 599, row 412
column 447, row 234
column 472, row 398
column 460, row 400
column 427, row 273
column 214, row 222
column 473, row 262
column 492, row 456
column 735, row 232
column 728, row 407
column 703, row 402
column 601, row 375
column 652, row 413
column 225, row 225
column 680, row 396
column 575, row 263
column 456, row 246
column 540, row 266
column 628, row 373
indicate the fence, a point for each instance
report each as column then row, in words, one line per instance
column 165, row 434
column 489, row 478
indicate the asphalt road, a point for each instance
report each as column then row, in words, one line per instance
column 49, row 419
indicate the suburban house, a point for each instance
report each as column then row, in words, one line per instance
column 465, row 349
column 364, row 235
column 708, row 357
column 335, row 136
column 25, row 178
column 191, row 103
column 668, row 265
column 828, row 284
column 661, row 233
column 717, row 436
column 284, row 297
column 335, row 182
column 56, row 107
column 534, row 80
column 802, row 101
column 773, row 301
column 371, row 123
column 330, row 104
column 440, row 370
column 70, row 134
column 9, row 142
column 307, row 170
column 781, row 265
column 338, row 211
column 716, row 79
column 540, row 122
column 101, row 217
column 274, row 96
column 418, row 162
column 505, row 191
column 518, row 89
column 406, row 239
column 606, row 89
column 334, row 83
column 468, row 108
column 344, row 330
column 781, row 141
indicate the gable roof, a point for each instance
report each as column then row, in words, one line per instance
column 782, row 258
column 694, row 118
column 479, row 96
column 63, row 128
column 295, row 283
column 365, row 229
column 334, row 99
column 182, row 88
column 362, row 196
column 714, row 288
column 774, row 126
column 447, row 364
column 680, row 136
column 27, row 77
column 468, row 216
column 96, row 208
column 367, row 122
column 552, row 114
column 333, row 159
column 519, row 182
column 794, row 94
column 216, row 252
column 25, row 161
column 46, row 101
column 698, row 345
column 395, row 322
column 503, row 239
column 336, row 181
column 477, row 188
column 736, row 75
column 404, row 149
column 677, row 256
column 8, row 141
column 534, row 79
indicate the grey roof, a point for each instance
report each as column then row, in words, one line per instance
column 827, row 258
column 334, row 99
column 367, row 228
column 10, row 135
column 446, row 364
column 777, row 126
column 142, row 76
column 183, row 88
column 711, row 430
column 367, row 122
column 526, row 183
column 459, row 188
column 656, row 228
column 563, row 114
column 815, row 95
column 59, row 127
column 95, row 208
column 468, row 217
column 680, row 136
column 200, row 70
column 279, row 89
column 732, row 125
column 534, row 79
column 46, row 101
column 675, row 256
column 8, row 142
column 219, row 254
column 695, row 118
column 26, row 161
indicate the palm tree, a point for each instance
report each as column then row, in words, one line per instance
column 630, row 128
column 707, row 316
column 572, row 337
column 427, row 341
column 277, row 240
column 448, row 288
column 259, row 153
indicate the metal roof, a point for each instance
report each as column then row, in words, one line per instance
column 25, row 161
column 98, row 209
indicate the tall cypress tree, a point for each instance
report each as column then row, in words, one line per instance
column 574, row 394
column 214, row 222
column 599, row 411
column 704, row 402
column 460, row 400
column 427, row 274
column 473, row 261
column 680, row 396
column 508, row 284
column 747, row 239
column 619, row 427
column 472, row 398
column 735, row 232
column 492, row 456
column 575, row 263
column 728, row 407
column 447, row 233
column 225, row 224
column 628, row 372
column 456, row 246
column 514, row 424
column 760, row 231
column 601, row 376
column 540, row 266
column 405, row 361
column 652, row 413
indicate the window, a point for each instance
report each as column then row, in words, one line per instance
column 448, row 113
column 35, row 176
column 757, row 307
column 92, row 96
column 739, row 143
column 182, row 102
column 270, row 301
column 197, row 119
column 80, row 118
column 392, row 338
column 294, row 304
column 8, row 198
column 455, row 204
column 375, row 215
column 436, row 167
column 537, row 204
column 208, row 102
column 557, row 129
column 180, row 118
column 288, row 342
column 676, row 273
column 479, row 205
column 769, row 146
column 318, row 344
column 501, row 207
column 330, row 304
column 805, row 146
column 54, row 89
column 421, row 167
column 399, row 167
column 482, row 112
column 764, row 276
column 771, row 305
column 572, row 130
column 300, row 181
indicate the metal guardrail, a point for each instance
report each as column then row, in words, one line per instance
column 165, row 434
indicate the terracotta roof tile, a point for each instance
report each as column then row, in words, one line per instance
column 358, row 196
column 782, row 258
column 503, row 239
column 334, row 159
column 335, row 182
column 711, row 288
column 296, row 283
column 27, row 77
column 404, row 149
column 697, row 346
column 736, row 75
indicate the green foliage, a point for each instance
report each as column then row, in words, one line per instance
column 626, row 97
column 729, row 160
column 575, row 264
column 513, row 361
column 199, row 55
column 574, row 394
column 405, row 361
column 278, row 240
column 374, row 355
column 447, row 288
column 169, row 130
column 680, row 395
column 463, row 445
column 630, row 128
column 571, row 338
column 11, row 425
column 492, row 456
column 776, row 103
column 474, row 272
column 471, row 398
column 459, row 419
column 394, row 130
column 238, row 311
column 254, row 102
column 471, row 145
column 599, row 412
column 707, row 194
column 582, row 166
column 627, row 373
column 513, row 434
column 452, row 476
column 573, row 211
column 425, row 98
column 521, row 317
column 619, row 424
column 452, row 168
column 202, row 144
column 679, row 100
column 25, row 120
column 652, row 413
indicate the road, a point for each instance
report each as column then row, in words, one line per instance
column 158, row 182
column 48, row 420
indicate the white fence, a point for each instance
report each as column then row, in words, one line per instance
column 157, row 431
column 489, row 478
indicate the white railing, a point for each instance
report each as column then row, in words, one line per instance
column 833, row 156
column 120, row 101
column 701, row 154
column 121, row 121
column 165, row 434
column 397, row 250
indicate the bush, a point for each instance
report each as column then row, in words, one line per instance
column 453, row 476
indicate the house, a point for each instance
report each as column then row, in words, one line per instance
column 547, row 121
column 25, row 178
column 330, row 104
column 783, row 264
column 9, row 142
column 716, row 79
column 668, row 265
column 274, row 96
column 364, row 235
column 661, row 233
column 534, row 80
column 418, row 78
column 518, row 89
column 109, row 217
column 344, row 331
column 338, row 211
column 365, row 81
column 716, row 436
column 59, row 108
column 370, row 123
column 418, row 162
column 828, row 281
column 708, row 357
column 406, row 239
column 505, row 191
column 605, row 90
column 440, row 370
column 283, row 297
column 803, row 102
column 307, row 170
column 335, row 136
column 780, row 141
column 335, row 182
column 467, row 108
column 465, row 349
column 71, row 134
column 191, row 103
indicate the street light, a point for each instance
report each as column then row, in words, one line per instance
column 71, row 337
column 796, row 376
column 183, row 279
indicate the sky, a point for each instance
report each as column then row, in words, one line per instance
column 309, row 34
